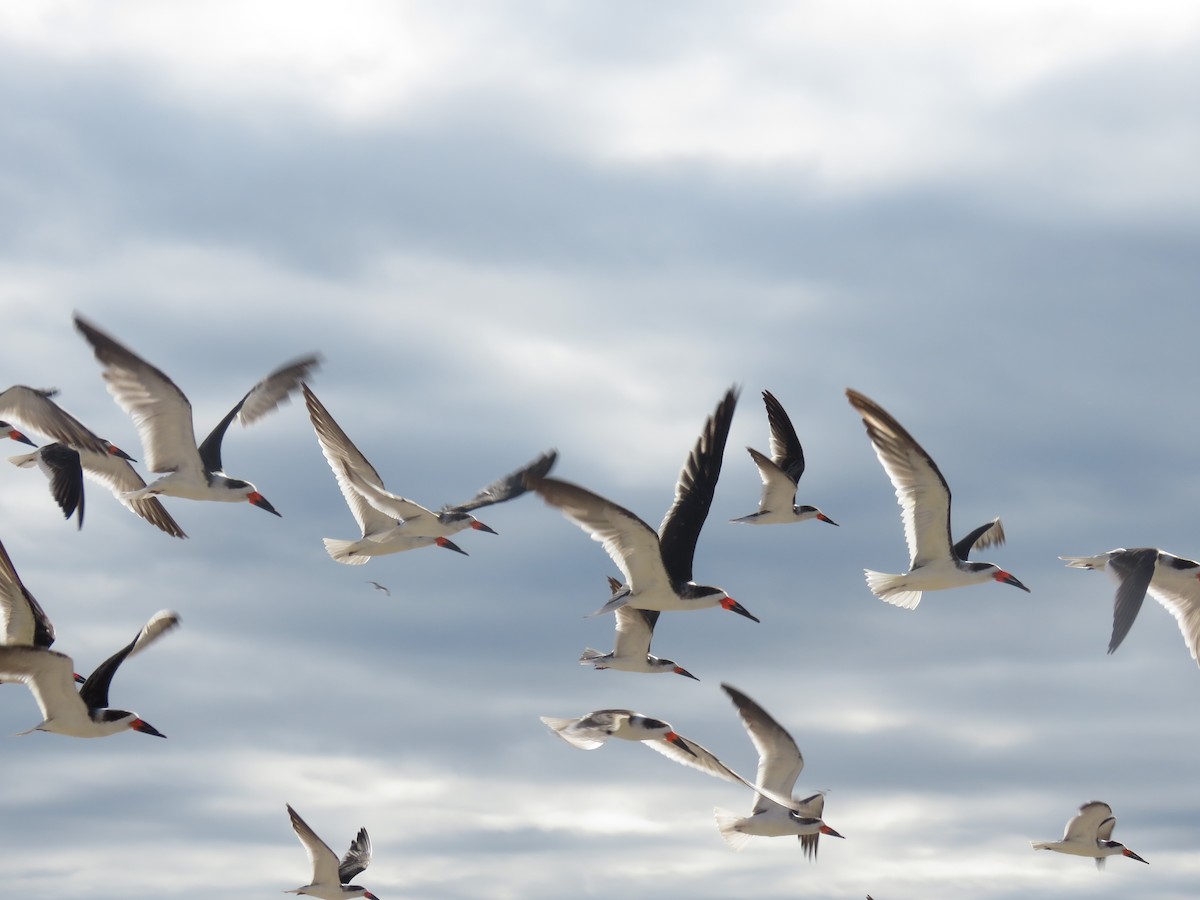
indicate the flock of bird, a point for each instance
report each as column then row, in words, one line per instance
column 656, row 565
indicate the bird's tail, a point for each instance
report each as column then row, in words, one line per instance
column 1085, row 562
column 1040, row 845
column 892, row 589
column 24, row 460
column 619, row 598
column 589, row 657
column 727, row 824
column 751, row 519
column 562, row 727
column 342, row 552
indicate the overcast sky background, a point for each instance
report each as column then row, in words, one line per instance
column 515, row 226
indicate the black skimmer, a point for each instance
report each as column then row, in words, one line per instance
column 100, row 459
column 780, row 473
column 84, row 713
column 35, row 408
column 1171, row 580
column 657, row 565
column 924, row 499
column 1090, row 834
column 380, row 587
column 779, row 765
column 163, row 417
column 329, row 877
column 631, row 650
column 591, row 731
column 391, row 523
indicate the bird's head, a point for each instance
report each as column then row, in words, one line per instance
column 248, row 491
column 118, row 720
column 1125, row 851
column 811, row 512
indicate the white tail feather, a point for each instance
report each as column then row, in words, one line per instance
column 590, row 656
column 727, row 823
column 25, row 460
column 341, row 552
column 562, row 727
column 891, row 589
column 1039, row 845
column 619, row 599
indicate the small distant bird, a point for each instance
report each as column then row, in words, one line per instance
column 100, row 459
column 329, row 877
column 631, row 653
column 779, row 765
column 1090, row 834
column 86, row 713
column 657, row 566
column 380, row 587
column 163, row 417
column 391, row 523
column 1171, row 580
column 60, row 464
column 780, row 473
column 924, row 499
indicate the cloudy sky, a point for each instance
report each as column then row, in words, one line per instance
column 515, row 226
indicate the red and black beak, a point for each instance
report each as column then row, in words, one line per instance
column 145, row 728
column 733, row 606
column 450, row 545
column 17, row 436
column 679, row 742
column 1008, row 578
column 114, row 450
column 261, row 502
